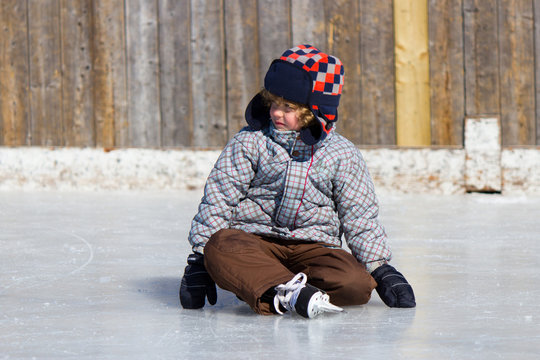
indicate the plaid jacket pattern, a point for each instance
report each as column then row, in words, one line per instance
column 269, row 182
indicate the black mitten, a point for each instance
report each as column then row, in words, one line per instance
column 196, row 284
column 393, row 288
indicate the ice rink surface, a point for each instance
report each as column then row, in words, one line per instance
column 96, row 275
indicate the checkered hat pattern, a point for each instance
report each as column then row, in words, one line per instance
column 305, row 75
column 327, row 73
column 325, row 70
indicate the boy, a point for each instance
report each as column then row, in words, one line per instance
column 279, row 198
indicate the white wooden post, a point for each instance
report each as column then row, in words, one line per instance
column 482, row 155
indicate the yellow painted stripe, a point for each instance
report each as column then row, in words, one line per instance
column 412, row 73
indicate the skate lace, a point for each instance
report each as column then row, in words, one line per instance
column 287, row 293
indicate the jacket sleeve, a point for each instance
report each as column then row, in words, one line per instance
column 226, row 185
column 358, row 210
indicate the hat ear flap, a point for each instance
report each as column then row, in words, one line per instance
column 328, row 113
column 313, row 133
column 257, row 113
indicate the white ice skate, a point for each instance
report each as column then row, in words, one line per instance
column 307, row 300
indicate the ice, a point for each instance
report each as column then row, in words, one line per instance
column 95, row 275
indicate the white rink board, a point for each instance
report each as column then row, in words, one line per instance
column 409, row 170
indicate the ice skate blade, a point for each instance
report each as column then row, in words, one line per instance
column 327, row 307
column 321, row 304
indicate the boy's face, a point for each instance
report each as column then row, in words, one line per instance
column 285, row 117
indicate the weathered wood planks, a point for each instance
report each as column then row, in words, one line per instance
column 343, row 40
column 242, row 72
column 175, row 76
column 481, row 49
column 143, row 73
column 208, row 73
column 447, row 90
column 109, row 86
column 412, row 73
column 76, row 59
column 45, row 75
column 377, row 74
column 516, row 39
column 165, row 73
column 14, row 97
column 274, row 31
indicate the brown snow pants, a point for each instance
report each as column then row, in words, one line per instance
column 248, row 265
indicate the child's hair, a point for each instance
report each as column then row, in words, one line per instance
column 306, row 116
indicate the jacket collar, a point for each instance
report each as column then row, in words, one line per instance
column 291, row 141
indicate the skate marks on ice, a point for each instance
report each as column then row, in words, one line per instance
column 70, row 254
column 97, row 276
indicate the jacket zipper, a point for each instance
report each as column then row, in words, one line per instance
column 286, row 186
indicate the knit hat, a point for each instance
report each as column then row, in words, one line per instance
column 307, row 76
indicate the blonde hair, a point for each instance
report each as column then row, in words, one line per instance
column 305, row 115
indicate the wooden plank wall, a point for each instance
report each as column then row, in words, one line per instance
column 412, row 73
column 179, row 73
column 447, row 93
column 109, row 91
column 14, row 79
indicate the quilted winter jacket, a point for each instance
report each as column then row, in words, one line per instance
column 269, row 182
